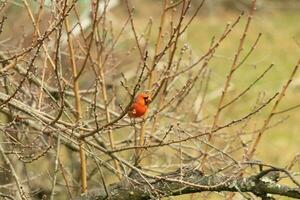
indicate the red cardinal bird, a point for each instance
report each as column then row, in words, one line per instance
column 139, row 106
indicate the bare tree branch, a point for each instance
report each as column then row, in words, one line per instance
column 193, row 181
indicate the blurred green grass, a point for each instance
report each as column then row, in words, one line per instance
column 280, row 31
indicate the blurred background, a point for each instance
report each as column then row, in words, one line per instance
column 277, row 20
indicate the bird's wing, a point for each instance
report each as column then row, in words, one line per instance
column 131, row 111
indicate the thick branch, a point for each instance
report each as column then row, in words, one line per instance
column 192, row 182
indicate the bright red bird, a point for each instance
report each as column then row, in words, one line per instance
column 139, row 106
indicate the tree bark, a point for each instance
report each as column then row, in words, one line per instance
column 191, row 182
